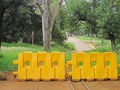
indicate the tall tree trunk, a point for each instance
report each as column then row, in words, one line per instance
column 112, row 39
column 111, row 35
column 46, row 25
column 2, row 10
column 48, row 18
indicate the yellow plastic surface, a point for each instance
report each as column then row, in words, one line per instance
column 112, row 68
column 40, row 66
column 91, row 66
column 52, row 66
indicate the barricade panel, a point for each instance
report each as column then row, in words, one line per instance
column 100, row 72
column 58, row 64
column 111, row 65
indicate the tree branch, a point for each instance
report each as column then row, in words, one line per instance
column 53, row 15
column 49, row 10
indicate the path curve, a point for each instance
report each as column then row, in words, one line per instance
column 79, row 44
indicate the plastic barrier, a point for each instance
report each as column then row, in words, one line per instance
column 52, row 66
column 94, row 66
column 40, row 66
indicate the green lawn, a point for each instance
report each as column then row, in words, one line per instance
column 100, row 45
column 10, row 51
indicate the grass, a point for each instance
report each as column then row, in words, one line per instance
column 86, row 38
column 10, row 51
column 99, row 44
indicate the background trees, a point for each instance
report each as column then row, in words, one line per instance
column 21, row 19
column 48, row 12
column 95, row 17
column 4, row 4
column 102, row 17
column 19, row 22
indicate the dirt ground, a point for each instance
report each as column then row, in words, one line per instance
column 13, row 84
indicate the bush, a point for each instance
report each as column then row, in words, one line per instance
column 1, row 55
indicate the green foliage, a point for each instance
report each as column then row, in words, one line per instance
column 112, row 26
column 101, row 16
column 110, row 21
column 82, row 16
column 21, row 19
column 58, row 36
column 69, row 46
column 59, row 33
column 1, row 55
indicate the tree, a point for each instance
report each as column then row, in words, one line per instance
column 4, row 4
column 102, row 15
column 108, row 20
column 81, row 10
column 59, row 28
column 2, row 10
column 22, row 18
column 48, row 18
column 19, row 21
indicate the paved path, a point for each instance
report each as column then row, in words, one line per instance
column 79, row 44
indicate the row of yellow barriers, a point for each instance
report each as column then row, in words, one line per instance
column 52, row 66
column 40, row 66
column 93, row 66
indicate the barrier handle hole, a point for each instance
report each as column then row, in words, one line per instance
column 94, row 63
column 107, row 63
column 80, row 63
column 27, row 63
column 41, row 63
column 55, row 63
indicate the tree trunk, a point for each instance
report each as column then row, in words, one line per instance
column 46, row 25
column 48, row 18
column 2, row 10
column 111, row 35
column 112, row 39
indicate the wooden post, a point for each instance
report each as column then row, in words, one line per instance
column 32, row 37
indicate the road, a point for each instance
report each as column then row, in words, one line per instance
column 80, row 45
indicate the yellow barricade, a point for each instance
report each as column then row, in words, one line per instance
column 24, row 66
column 111, row 65
column 40, row 66
column 91, row 66
column 51, row 66
column 81, row 67
column 98, row 64
column 58, row 64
